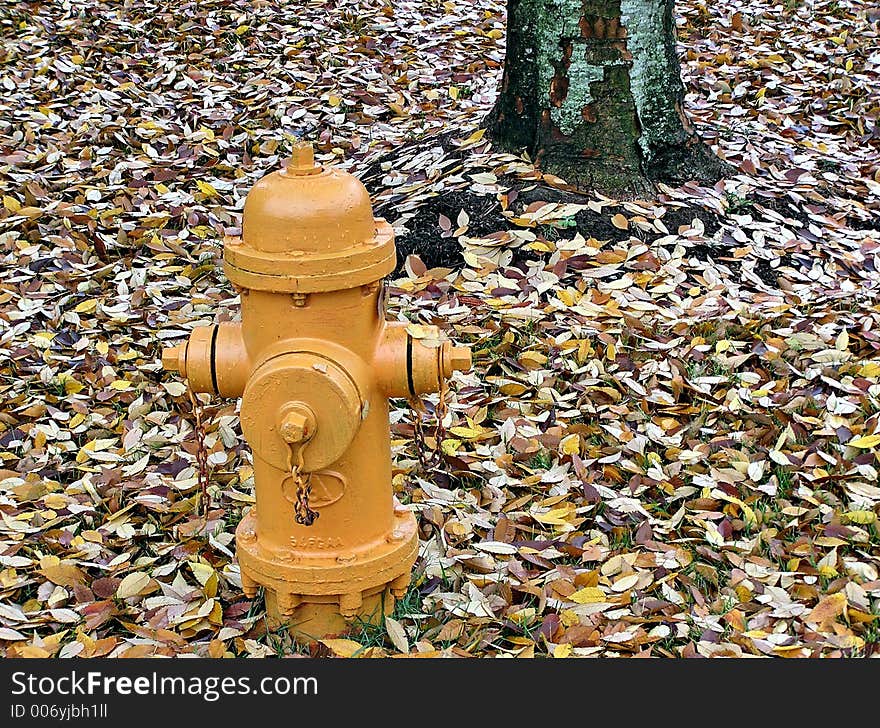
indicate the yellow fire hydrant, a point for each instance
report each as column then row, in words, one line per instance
column 315, row 362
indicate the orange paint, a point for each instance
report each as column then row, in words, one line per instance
column 315, row 362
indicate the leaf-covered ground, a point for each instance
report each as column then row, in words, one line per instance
column 669, row 443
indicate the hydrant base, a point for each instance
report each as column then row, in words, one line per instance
column 316, row 620
column 324, row 594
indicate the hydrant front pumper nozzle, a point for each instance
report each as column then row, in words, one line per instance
column 315, row 362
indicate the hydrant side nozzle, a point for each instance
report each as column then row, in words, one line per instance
column 408, row 367
column 214, row 359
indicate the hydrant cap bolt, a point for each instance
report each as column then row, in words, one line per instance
column 298, row 424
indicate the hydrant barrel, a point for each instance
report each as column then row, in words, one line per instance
column 315, row 363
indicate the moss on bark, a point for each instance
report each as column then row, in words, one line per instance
column 592, row 90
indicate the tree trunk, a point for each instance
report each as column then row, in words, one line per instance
column 592, row 89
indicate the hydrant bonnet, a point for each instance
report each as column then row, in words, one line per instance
column 309, row 229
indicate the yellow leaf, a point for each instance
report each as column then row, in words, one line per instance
column 474, row 138
column 56, row 501
column 828, row 609
column 241, row 30
column 556, row 517
column 863, row 518
column 342, row 647
column 103, row 348
column 120, row 384
column 861, row 617
column 587, row 595
column 72, row 386
column 563, row 650
column 468, row 433
column 871, row 369
column 620, row 222
column 334, row 100
column 571, row 445
column 566, row 296
column 428, row 335
column 206, row 188
column 532, row 360
column 450, row 447
column 202, row 572
column 867, row 441
column 86, row 306
column 748, row 514
column 397, row 109
column 63, row 574
column 11, row 204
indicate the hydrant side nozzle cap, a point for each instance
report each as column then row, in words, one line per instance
column 457, row 359
column 173, row 359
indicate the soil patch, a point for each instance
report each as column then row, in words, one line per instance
column 425, row 236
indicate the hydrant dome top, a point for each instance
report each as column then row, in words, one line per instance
column 308, row 228
column 307, row 209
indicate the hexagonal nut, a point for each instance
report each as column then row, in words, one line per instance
column 460, row 359
column 297, row 426
column 171, row 358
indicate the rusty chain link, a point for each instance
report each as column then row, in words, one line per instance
column 304, row 514
column 420, row 410
column 201, row 449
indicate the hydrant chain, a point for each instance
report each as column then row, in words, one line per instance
column 304, row 515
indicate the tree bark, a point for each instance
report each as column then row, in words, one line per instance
column 592, row 89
